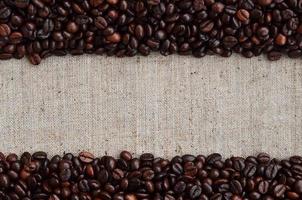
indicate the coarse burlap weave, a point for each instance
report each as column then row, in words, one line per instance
column 164, row 105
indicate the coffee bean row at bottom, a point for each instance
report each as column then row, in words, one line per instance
column 86, row 177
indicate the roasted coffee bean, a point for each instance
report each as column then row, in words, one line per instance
column 125, row 155
column 4, row 181
column 5, row 30
column 281, row 39
column 35, row 59
column 190, row 177
column 263, row 187
column 195, row 192
column 243, row 15
column 265, row 2
column 274, row 55
column 86, row 157
column 40, row 155
column 5, row 12
column 15, row 37
column 101, row 23
column 236, row 187
column 279, row 190
column 127, row 28
column 263, row 158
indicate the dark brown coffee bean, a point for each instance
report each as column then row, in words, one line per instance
column 264, row 2
column 40, row 155
column 86, row 157
column 217, row 7
column 4, row 30
column 263, row 187
column 147, row 157
column 274, row 55
column 279, row 190
column 236, row 187
column 206, row 26
column 139, row 32
column 230, row 41
column 295, row 53
column 5, row 12
column 83, row 177
column 124, row 28
column 4, row 181
column 101, row 23
column 153, row 2
column 254, row 195
column 211, row 159
column 35, row 59
column 16, row 37
column 263, row 158
column 125, row 155
column 243, row 15
column 195, row 192
column 180, row 187
column 72, row 27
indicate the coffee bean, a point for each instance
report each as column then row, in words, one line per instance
column 274, row 55
column 4, row 30
column 206, row 26
column 211, row 159
column 139, row 32
column 117, row 174
column 217, row 7
column 292, row 195
column 236, row 187
column 298, row 186
column 114, row 38
column 243, row 15
column 230, row 41
column 249, row 170
column 4, row 181
column 21, row 3
column 281, row 39
column 101, row 23
column 16, row 37
column 195, row 192
column 86, row 157
column 147, row 157
column 112, row 1
column 180, row 187
column 193, row 177
column 125, row 155
column 279, row 190
column 72, row 27
column 263, row 158
column 264, row 2
column 126, row 28
column 5, row 12
column 263, row 187
column 40, row 155
column 35, row 59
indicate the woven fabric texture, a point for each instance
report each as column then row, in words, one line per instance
column 164, row 105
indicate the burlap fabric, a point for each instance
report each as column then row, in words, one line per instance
column 165, row 105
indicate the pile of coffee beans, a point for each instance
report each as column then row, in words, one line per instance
column 41, row 28
column 187, row 177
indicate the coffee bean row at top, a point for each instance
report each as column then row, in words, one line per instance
column 41, row 28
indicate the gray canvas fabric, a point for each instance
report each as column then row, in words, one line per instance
column 165, row 105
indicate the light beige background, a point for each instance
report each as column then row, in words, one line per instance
column 165, row 105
